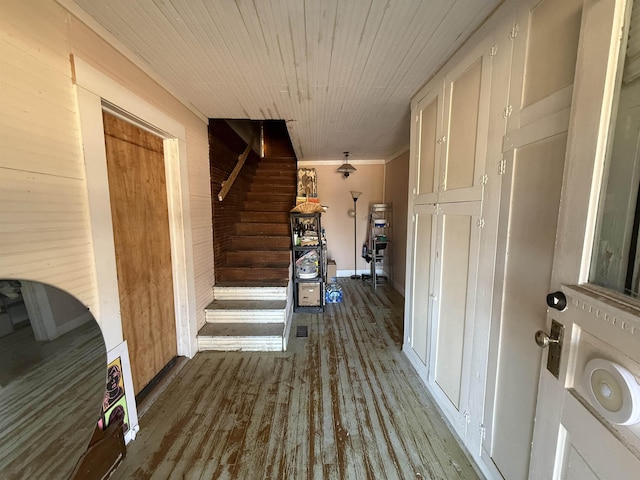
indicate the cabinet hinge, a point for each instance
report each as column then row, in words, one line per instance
column 483, row 432
column 484, row 179
column 442, row 140
column 506, row 113
column 466, row 420
column 417, row 118
column 502, row 166
column 494, row 51
column 514, row 32
column 481, row 223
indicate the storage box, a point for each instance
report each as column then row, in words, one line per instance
column 332, row 271
column 309, row 294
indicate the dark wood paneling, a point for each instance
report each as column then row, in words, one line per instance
column 276, row 140
column 224, row 147
column 263, row 193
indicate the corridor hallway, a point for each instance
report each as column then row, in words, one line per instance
column 342, row 403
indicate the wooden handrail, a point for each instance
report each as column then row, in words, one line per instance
column 228, row 183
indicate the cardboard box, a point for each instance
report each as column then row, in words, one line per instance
column 332, row 271
column 309, row 294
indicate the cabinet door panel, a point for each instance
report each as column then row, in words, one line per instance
column 428, row 160
column 466, row 120
column 422, row 272
column 463, row 128
column 457, row 242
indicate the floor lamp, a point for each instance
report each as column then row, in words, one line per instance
column 355, row 196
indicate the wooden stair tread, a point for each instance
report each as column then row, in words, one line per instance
column 260, row 244
column 273, row 265
column 260, row 248
column 241, row 330
column 247, row 305
column 254, row 284
column 262, row 229
column 264, row 238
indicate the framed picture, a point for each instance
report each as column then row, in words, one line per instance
column 307, row 183
column 119, row 399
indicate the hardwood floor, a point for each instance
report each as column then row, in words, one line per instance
column 342, row 403
column 50, row 399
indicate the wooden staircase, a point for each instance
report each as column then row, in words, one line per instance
column 261, row 245
column 252, row 303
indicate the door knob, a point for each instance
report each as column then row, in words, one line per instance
column 543, row 339
column 557, row 300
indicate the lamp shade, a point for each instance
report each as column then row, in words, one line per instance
column 346, row 168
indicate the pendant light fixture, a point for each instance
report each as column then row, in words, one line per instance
column 346, row 168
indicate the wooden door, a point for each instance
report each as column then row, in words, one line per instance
column 137, row 188
column 542, row 75
column 579, row 429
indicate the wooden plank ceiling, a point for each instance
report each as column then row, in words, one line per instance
column 341, row 72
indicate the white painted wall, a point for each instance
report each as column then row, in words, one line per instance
column 46, row 232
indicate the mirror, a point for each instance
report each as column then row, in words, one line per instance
column 53, row 370
column 616, row 254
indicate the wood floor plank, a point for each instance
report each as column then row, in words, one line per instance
column 342, row 403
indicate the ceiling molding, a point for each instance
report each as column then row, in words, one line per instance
column 312, row 163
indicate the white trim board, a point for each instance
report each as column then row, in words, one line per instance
column 96, row 91
column 311, row 163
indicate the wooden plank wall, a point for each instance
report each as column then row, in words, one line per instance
column 45, row 229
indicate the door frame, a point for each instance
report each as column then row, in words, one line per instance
column 96, row 92
column 597, row 68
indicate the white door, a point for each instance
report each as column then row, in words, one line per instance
column 585, row 426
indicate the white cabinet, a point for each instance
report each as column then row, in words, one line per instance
column 459, row 119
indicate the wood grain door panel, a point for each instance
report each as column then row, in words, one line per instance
column 137, row 186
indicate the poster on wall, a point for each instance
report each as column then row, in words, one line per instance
column 119, row 400
column 307, row 184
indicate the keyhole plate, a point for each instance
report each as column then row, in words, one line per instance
column 555, row 349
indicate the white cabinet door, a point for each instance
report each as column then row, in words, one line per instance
column 421, row 295
column 573, row 436
column 466, row 126
column 455, row 282
column 429, row 140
